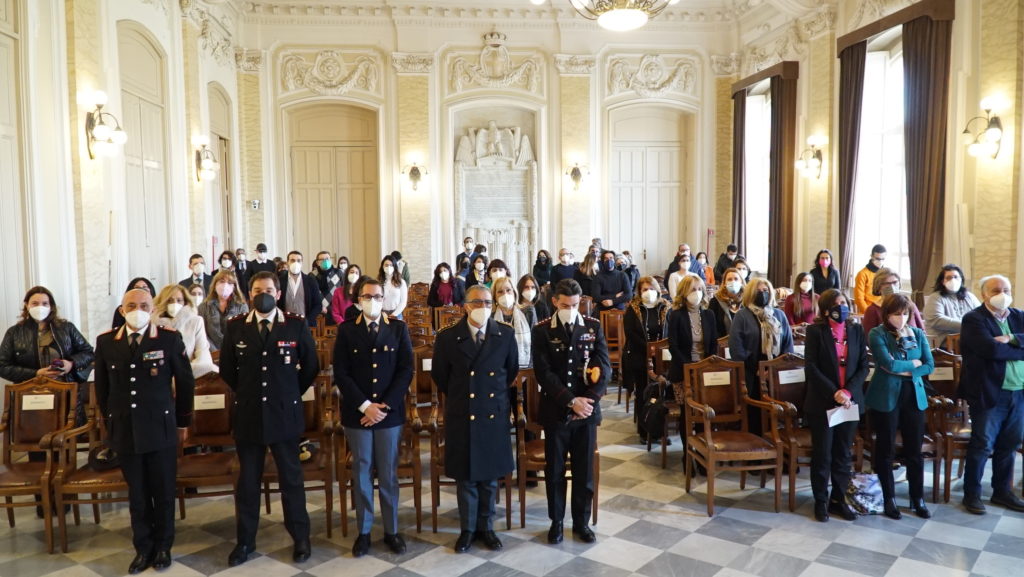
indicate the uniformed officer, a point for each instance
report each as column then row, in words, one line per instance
column 135, row 365
column 373, row 370
column 570, row 359
column 475, row 362
column 269, row 360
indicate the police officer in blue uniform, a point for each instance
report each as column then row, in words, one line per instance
column 145, row 389
column 373, row 369
column 570, row 359
column 269, row 359
column 475, row 362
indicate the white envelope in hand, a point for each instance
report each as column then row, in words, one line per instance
column 841, row 414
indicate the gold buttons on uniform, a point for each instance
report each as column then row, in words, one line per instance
column 472, row 395
column 133, row 405
column 131, row 366
column 471, row 373
column 471, row 417
column 490, row 374
column 491, row 417
column 132, row 379
column 375, row 365
column 491, row 395
column 375, row 380
column 133, row 392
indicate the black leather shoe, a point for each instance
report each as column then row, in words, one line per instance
column 464, row 542
column 301, row 551
column 842, row 509
column 1010, row 501
column 891, row 510
column 555, row 533
column 140, row 563
column 490, row 540
column 585, row 533
column 361, row 546
column 395, row 543
column 920, row 509
column 240, row 554
column 162, row 560
column 821, row 511
column 973, row 504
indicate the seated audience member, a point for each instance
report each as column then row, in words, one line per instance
column 478, row 271
column 726, row 260
column 709, row 271
column 565, row 268
column 944, row 309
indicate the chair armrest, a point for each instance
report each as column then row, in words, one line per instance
column 705, row 413
column 774, row 412
column 56, row 439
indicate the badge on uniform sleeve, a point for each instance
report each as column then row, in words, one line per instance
column 152, row 355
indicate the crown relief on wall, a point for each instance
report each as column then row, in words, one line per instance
column 495, row 67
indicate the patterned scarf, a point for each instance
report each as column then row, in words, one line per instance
column 771, row 330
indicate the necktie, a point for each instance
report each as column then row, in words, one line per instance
column 373, row 329
column 133, row 347
column 479, row 339
column 264, row 329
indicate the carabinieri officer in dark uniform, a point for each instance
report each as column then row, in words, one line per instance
column 135, row 366
column 269, row 359
column 570, row 359
column 475, row 362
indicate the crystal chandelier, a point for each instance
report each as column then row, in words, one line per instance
column 621, row 15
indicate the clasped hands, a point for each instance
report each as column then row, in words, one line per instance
column 582, row 407
column 374, row 414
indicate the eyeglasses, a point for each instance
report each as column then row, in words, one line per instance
column 480, row 302
column 378, row 298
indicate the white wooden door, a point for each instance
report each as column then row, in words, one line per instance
column 12, row 223
column 643, row 191
column 145, row 189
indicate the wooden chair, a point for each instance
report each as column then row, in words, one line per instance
column 410, row 470
column 421, row 332
column 325, row 353
column 615, row 337
column 211, row 428
column 318, row 414
column 443, row 316
column 321, row 322
column 74, row 485
column 723, row 347
column 716, row 398
column 953, row 343
column 784, row 384
column 953, row 422
column 418, row 293
column 418, row 315
column 530, row 456
column 586, row 306
column 35, row 411
column 659, row 360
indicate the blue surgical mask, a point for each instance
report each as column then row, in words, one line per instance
column 839, row 313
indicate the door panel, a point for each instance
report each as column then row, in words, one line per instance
column 145, row 189
column 644, row 188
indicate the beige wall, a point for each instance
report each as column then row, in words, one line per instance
column 415, row 205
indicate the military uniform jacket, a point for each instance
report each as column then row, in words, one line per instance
column 268, row 378
column 558, row 362
column 475, row 384
column 378, row 370
column 142, row 405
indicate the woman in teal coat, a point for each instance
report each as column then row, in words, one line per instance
column 896, row 398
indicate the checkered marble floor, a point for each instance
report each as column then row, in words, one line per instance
column 647, row 526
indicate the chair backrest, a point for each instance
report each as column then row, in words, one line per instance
column 417, row 315
column 718, row 383
column 213, row 408
column 953, row 343
column 528, row 390
column 723, row 347
column 422, row 383
column 614, row 333
column 783, row 379
column 321, row 322
column 657, row 352
column 799, row 335
column 34, row 408
column 325, row 352
column 418, row 292
column 946, row 377
column 444, row 315
column 586, row 306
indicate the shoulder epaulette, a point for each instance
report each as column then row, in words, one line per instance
column 294, row 316
column 544, row 320
column 238, row 316
column 447, row 326
column 507, row 324
column 591, row 319
column 108, row 331
column 167, row 328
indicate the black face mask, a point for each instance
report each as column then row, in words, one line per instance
column 542, row 259
column 762, row 298
column 264, row 303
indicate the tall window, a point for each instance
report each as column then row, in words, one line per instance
column 880, row 194
column 757, row 154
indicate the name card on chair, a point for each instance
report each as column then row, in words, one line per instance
column 309, row 395
column 428, row 364
column 716, row 379
column 209, row 402
column 791, row 376
column 799, row 349
column 942, row 374
column 666, row 355
column 726, row 354
column 37, row 403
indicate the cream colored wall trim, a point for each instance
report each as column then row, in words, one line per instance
column 249, row 61
column 406, row 63
column 330, row 72
column 575, row 64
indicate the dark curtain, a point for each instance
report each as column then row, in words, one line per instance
column 851, row 97
column 926, row 58
column 739, row 182
column 780, row 185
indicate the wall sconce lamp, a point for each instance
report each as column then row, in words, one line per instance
column 986, row 142
column 415, row 174
column 576, row 174
column 206, row 163
column 812, row 158
column 102, row 129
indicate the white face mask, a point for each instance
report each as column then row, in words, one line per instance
column 568, row 316
column 1001, row 301
column 953, row 285
column 468, row 246
column 649, row 298
column 295, row 267
column 389, row 270
column 528, row 294
column 497, row 273
column 731, row 256
column 196, row 299
column 806, row 286
column 225, row 263
column 898, row 321
column 371, row 308
column 137, row 319
column 479, row 316
column 173, row 309
column 262, row 256
column 353, row 277
column 564, row 259
column 744, row 273
column 734, row 287
column 38, row 313
column 198, row 269
column 506, row 300
column 445, row 275
column 684, row 265
column 225, row 290
column 479, row 266
column 694, row 298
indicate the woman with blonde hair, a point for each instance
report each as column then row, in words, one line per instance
column 173, row 308
column 224, row 301
column 727, row 300
column 586, row 272
column 760, row 332
column 692, row 334
column 507, row 310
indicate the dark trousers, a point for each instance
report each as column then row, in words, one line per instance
column 150, row 478
column 996, row 432
column 575, row 439
column 251, row 457
column 476, row 504
column 910, row 421
column 830, row 457
column 753, row 383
